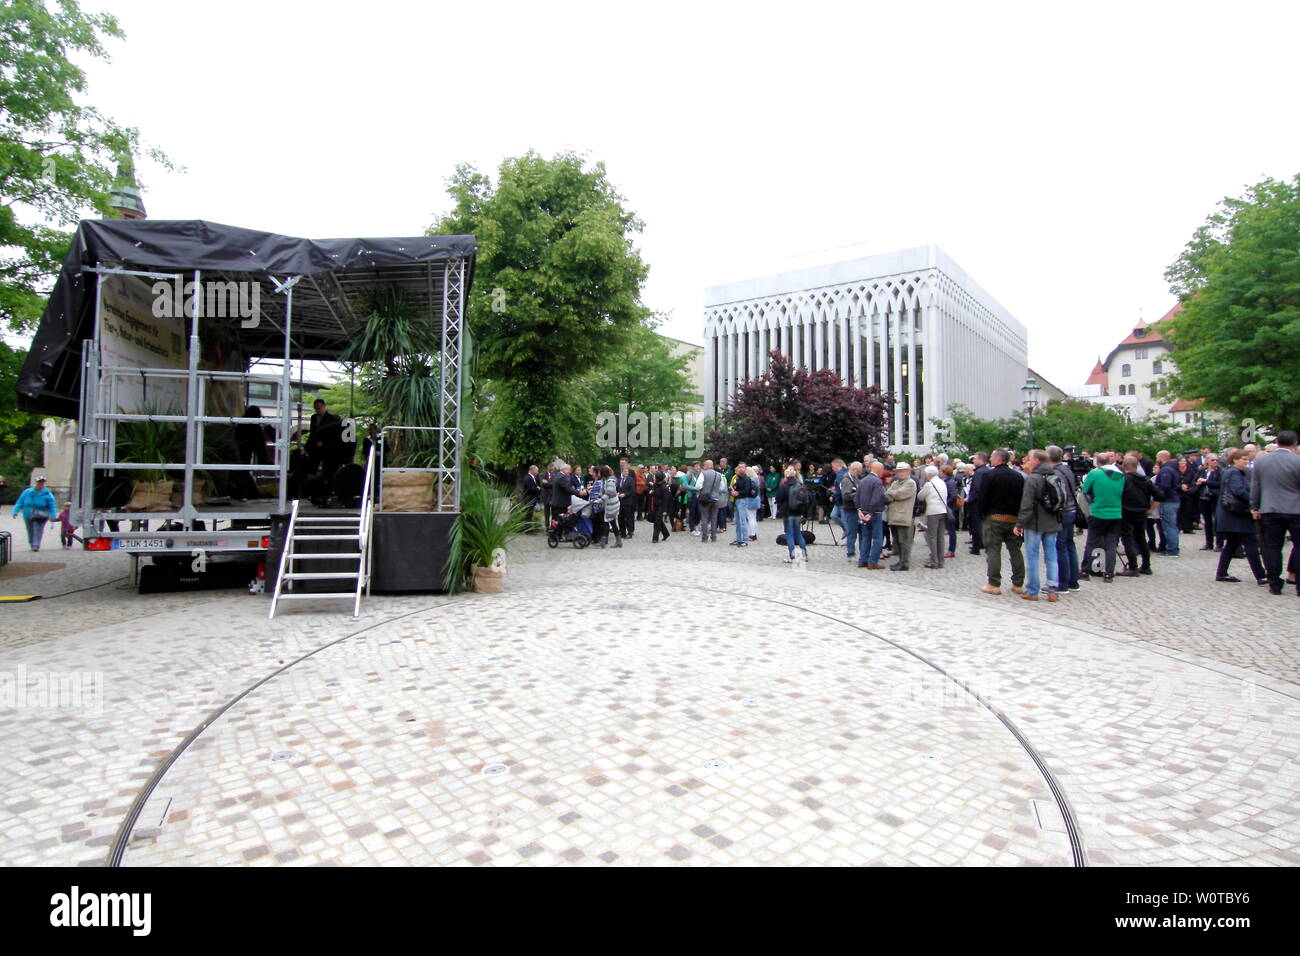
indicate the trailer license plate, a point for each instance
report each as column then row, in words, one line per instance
column 143, row 544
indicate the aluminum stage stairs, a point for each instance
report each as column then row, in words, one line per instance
column 348, row 537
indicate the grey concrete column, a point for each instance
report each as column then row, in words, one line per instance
column 710, row 370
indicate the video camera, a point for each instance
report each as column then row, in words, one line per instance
column 1079, row 465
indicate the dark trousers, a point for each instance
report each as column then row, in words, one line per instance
column 1246, row 541
column 1067, row 553
column 661, row 526
column 976, row 529
column 996, row 534
column 695, row 512
column 1207, row 518
column 1133, row 535
column 1276, row 526
column 1100, row 546
column 627, row 516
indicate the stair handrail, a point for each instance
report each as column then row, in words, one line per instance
column 364, row 527
column 284, row 557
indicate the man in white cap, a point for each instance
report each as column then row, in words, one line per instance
column 900, row 495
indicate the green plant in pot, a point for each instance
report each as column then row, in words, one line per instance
column 486, row 525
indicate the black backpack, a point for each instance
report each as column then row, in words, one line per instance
column 1054, row 495
column 797, row 498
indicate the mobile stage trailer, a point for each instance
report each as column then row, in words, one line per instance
column 159, row 322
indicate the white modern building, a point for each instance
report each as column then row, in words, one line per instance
column 911, row 322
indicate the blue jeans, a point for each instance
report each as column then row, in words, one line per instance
column 876, row 532
column 1169, row 525
column 794, row 534
column 1067, row 554
column 35, row 531
column 722, row 516
column 742, row 520
column 1034, row 540
column 853, row 532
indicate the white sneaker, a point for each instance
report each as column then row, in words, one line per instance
column 695, row 533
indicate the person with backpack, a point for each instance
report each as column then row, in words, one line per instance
column 711, row 487
column 1042, row 503
column 846, row 493
column 1067, row 553
column 901, row 495
column 725, row 470
column 792, row 502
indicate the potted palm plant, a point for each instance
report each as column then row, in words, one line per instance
column 487, row 523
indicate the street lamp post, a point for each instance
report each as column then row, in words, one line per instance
column 1030, row 390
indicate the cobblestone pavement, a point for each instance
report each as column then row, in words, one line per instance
column 668, row 704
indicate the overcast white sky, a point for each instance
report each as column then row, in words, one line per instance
column 1062, row 154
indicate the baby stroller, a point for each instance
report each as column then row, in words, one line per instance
column 573, row 526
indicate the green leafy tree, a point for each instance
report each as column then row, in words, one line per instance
column 646, row 377
column 557, row 293
column 20, row 432
column 58, row 157
column 1236, row 339
column 1070, row 422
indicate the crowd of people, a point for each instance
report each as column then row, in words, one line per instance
column 1037, row 506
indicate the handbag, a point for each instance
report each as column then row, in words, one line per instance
column 40, row 514
column 1084, row 505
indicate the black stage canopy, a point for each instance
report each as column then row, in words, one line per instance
column 339, row 277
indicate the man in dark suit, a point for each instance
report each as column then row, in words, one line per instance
column 325, row 442
column 981, row 462
column 531, row 494
column 1275, row 503
column 627, row 499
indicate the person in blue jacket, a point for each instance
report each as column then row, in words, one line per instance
column 36, row 506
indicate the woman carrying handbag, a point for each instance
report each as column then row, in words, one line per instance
column 36, row 506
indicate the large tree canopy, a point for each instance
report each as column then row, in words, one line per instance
column 788, row 413
column 20, row 432
column 58, row 157
column 557, row 294
column 1236, row 339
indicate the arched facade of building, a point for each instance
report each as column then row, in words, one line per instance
column 910, row 322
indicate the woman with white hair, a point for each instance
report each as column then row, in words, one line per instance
column 934, row 493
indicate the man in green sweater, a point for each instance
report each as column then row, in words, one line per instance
column 1104, row 487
